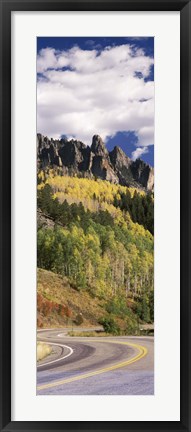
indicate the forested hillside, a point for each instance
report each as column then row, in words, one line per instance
column 101, row 241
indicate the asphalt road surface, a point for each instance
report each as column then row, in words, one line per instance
column 96, row 365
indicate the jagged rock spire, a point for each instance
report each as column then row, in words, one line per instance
column 98, row 146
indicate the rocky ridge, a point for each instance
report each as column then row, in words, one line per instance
column 75, row 158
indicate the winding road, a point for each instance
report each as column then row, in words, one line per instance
column 96, row 365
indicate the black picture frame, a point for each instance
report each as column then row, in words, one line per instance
column 6, row 7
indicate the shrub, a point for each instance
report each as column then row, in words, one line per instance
column 79, row 319
column 110, row 325
column 131, row 328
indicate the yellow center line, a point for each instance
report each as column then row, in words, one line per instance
column 142, row 352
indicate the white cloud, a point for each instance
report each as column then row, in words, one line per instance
column 138, row 152
column 146, row 136
column 95, row 93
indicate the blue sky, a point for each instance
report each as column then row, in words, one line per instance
column 95, row 85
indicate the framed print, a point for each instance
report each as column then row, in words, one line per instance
column 95, row 215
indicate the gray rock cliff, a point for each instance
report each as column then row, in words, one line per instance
column 74, row 157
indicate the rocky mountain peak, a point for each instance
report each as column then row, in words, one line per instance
column 75, row 158
column 143, row 173
column 98, row 146
column 119, row 158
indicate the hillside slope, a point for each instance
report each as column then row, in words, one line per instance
column 59, row 303
column 96, row 254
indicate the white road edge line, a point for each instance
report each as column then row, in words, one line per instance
column 60, row 358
